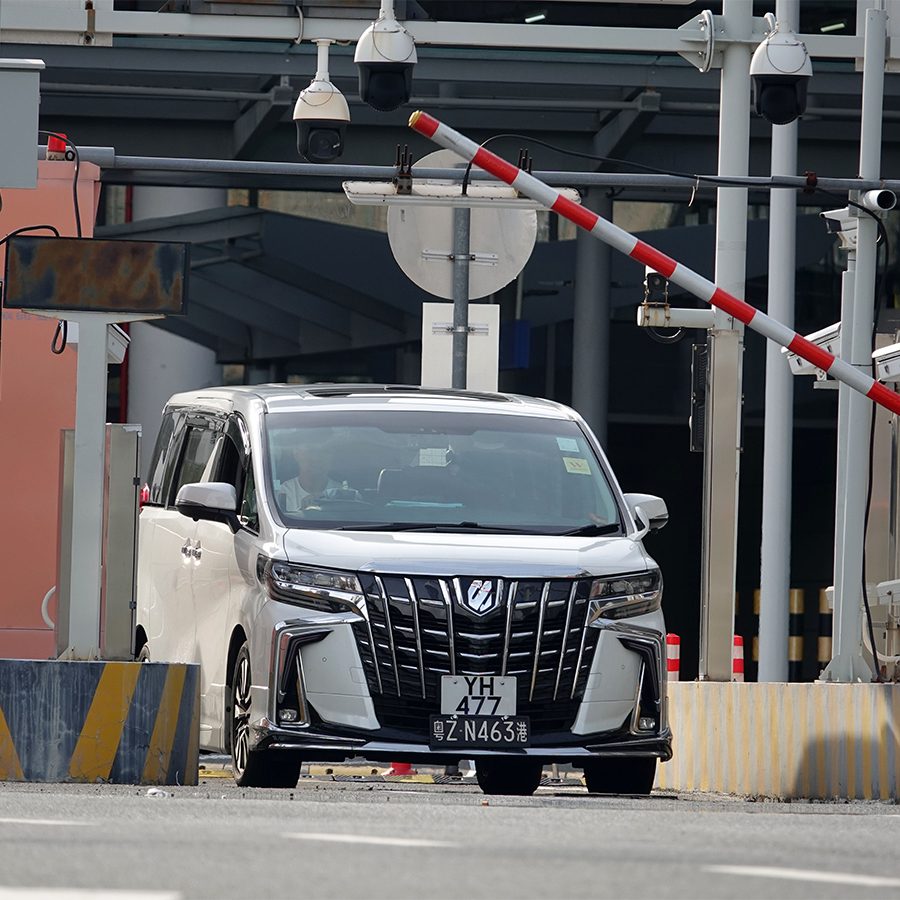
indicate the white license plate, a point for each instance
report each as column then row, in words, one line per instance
column 478, row 695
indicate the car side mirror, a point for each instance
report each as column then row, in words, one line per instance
column 649, row 509
column 211, row 501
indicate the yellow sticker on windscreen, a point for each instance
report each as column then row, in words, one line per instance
column 576, row 465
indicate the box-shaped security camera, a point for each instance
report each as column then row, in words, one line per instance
column 89, row 275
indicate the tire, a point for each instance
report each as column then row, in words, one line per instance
column 519, row 777
column 255, row 768
column 620, row 775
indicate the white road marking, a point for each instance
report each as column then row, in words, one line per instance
column 367, row 839
column 28, row 893
column 804, row 875
column 42, row 822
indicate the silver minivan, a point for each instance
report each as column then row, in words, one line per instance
column 402, row 573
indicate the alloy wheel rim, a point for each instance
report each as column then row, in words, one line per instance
column 241, row 716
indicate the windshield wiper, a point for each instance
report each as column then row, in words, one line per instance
column 592, row 530
column 437, row 528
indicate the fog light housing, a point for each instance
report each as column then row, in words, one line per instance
column 646, row 723
column 288, row 715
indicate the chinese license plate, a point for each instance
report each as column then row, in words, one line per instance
column 479, row 732
column 478, row 695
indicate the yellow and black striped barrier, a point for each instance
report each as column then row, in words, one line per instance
column 119, row 722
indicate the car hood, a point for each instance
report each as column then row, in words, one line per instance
column 500, row 555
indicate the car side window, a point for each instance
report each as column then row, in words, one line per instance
column 162, row 459
column 249, row 515
column 199, row 444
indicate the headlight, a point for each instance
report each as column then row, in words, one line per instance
column 626, row 596
column 324, row 590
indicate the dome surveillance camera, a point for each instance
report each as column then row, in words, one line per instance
column 321, row 114
column 385, row 55
column 780, row 70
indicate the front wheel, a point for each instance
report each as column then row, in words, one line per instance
column 255, row 768
column 620, row 775
column 519, row 777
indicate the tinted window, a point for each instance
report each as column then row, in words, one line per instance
column 161, row 460
column 249, row 515
column 198, row 447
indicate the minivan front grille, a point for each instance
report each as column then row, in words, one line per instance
column 421, row 628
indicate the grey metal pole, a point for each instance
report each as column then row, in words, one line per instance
column 721, row 462
column 847, row 662
column 590, row 340
column 775, row 554
column 106, row 158
column 461, row 230
column 87, row 492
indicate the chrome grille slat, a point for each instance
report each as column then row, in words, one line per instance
column 510, row 603
column 387, row 618
column 545, row 595
column 562, row 649
column 448, row 604
column 414, row 600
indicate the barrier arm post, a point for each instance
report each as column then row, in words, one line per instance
column 638, row 250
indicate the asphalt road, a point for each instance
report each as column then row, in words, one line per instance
column 376, row 840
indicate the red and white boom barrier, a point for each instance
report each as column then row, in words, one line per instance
column 627, row 243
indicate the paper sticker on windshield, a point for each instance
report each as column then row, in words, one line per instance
column 569, row 444
column 433, row 456
column 576, row 465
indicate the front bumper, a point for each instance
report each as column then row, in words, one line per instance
column 314, row 738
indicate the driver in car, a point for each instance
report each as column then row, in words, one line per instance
column 312, row 481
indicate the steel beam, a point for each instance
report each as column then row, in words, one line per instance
column 26, row 17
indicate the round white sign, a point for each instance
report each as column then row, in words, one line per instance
column 421, row 238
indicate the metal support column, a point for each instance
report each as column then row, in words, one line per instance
column 590, row 339
column 87, row 480
column 462, row 216
column 775, row 554
column 854, row 413
column 726, row 347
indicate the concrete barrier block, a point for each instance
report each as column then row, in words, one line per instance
column 119, row 722
column 791, row 741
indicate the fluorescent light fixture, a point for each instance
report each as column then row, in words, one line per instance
column 535, row 17
column 378, row 193
column 833, row 26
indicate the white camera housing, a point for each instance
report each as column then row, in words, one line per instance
column 385, row 56
column 843, row 223
column 780, row 70
column 887, row 364
column 321, row 113
column 879, row 200
column 828, row 339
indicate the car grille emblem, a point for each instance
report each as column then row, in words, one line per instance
column 481, row 598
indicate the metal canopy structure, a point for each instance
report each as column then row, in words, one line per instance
column 269, row 286
column 166, row 81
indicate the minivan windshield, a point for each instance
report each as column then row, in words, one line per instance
column 427, row 470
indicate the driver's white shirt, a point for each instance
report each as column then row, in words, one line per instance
column 294, row 492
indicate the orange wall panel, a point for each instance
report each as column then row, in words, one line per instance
column 37, row 401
